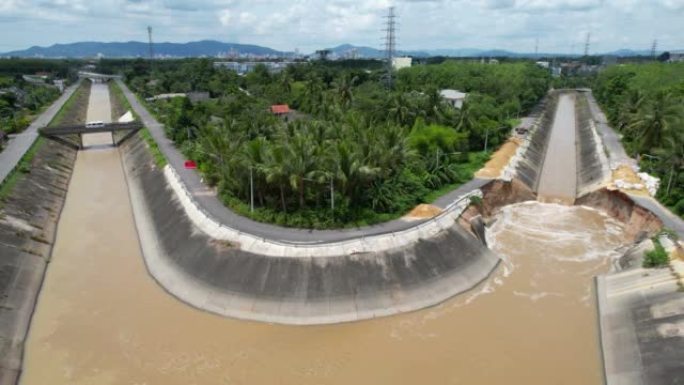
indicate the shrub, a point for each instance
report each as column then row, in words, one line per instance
column 657, row 257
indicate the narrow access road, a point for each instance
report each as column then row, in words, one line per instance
column 208, row 201
column 17, row 147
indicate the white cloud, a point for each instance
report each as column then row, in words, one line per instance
column 225, row 16
column 313, row 24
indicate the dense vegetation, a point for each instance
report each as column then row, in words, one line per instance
column 645, row 103
column 376, row 152
column 20, row 101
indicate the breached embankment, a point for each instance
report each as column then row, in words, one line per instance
column 221, row 277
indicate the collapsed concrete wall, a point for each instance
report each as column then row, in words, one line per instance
column 639, row 222
column 28, row 223
column 593, row 166
column 529, row 166
column 224, row 278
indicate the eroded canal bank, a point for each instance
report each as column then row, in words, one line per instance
column 101, row 319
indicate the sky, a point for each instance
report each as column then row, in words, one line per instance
column 559, row 26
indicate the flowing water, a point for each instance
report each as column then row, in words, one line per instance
column 558, row 180
column 102, row 320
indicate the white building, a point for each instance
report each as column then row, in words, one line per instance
column 453, row 97
column 401, row 62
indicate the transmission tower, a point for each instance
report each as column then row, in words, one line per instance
column 536, row 47
column 149, row 35
column 587, row 44
column 390, row 42
column 654, row 49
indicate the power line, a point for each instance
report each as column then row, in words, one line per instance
column 390, row 42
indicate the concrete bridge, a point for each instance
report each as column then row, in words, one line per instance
column 98, row 78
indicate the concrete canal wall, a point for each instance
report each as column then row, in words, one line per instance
column 248, row 278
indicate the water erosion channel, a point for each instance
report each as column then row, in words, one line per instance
column 102, row 320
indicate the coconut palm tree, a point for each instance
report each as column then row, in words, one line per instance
column 633, row 103
column 672, row 155
column 655, row 121
column 344, row 89
column 275, row 171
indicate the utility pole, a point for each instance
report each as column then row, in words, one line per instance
column 654, row 49
column 332, row 194
column 251, row 190
column 149, row 37
column 390, row 43
column 587, row 45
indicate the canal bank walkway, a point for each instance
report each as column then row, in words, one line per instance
column 17, row 146
column 208, row 202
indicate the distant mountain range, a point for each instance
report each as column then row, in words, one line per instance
column 212, row 48
column 139, row 49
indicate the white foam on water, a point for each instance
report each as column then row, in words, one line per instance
column 557, row 227
column 534, row 297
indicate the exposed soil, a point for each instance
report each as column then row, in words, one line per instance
column 639, row 222
column 627, row 174
column 500, row 159
column 424, row 211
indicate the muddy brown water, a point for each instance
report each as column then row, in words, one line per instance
column 101, row 319
column 558, row 180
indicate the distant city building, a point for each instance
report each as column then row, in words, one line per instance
column 543, row 64
column 245, row 67
column 401, row 62
column 453, row 97
column 676, row 57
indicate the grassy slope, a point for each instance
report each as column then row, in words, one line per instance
column 66, row 113
column 123, row 105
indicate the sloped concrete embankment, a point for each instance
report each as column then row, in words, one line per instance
column 593, row 166
column 28, row 221
column 249, row 278
column 533, row 152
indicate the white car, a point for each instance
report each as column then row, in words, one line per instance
column 95, row 124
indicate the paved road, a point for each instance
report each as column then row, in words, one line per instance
column 17, row 147
column 611, row 139
column 211, row 204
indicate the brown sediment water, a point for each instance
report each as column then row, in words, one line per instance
column 101, row 319
column 558, row 180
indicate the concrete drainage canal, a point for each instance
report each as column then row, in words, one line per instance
column 530, row 319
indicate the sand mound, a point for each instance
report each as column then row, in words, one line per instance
column 424, row 211
column 499, row 159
